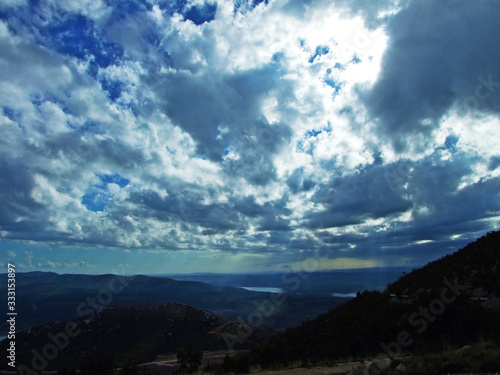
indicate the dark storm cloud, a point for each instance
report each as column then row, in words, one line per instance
column 274, row 224
column 198, row 105
column 186, row 205
column 430, row 190
column 87, row 148
column 269, row 216
column 278, row 237
column 396, row 247
column 297, row 182
column 256, row 145
column 449, row 206
column 17, row 204
column 440, row 53
column 351, row 199
column 494, row 163
column 249, row 207
column 202, row 103
column 223, row 112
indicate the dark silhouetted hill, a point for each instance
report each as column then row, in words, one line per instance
column 125, row 334
column 47, row 296
column 448, row 303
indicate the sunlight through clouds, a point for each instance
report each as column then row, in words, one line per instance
column 250, row 132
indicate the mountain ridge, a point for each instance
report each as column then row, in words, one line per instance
column 45, row 296
column 125, row 334
column 436, row 307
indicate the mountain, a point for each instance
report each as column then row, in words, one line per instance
column 449, row 303
column 46, row 296
column 123, row 334
column 330, row 282
column 476, row 267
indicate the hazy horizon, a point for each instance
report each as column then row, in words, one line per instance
column 272, row 272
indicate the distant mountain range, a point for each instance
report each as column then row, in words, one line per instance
column 110, row 320
column 318, row 282
column 42, row 297
column 449, row 303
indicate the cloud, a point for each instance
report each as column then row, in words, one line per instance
column 12, row 3
column 271, row 131
column 494, row 163
column 352, row 199
column 43, row 263
column 434, row 64
column 29, row 260
column 373, row 12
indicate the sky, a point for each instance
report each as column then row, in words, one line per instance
column 150, row 136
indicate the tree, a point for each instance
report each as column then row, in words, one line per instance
column 101, row 366
column 130, row 369
column 189, row 359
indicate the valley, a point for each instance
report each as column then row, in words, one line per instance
column 443, row 316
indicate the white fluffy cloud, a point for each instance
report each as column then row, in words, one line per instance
column 289, row 127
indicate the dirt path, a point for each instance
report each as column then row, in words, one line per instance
column 342, row 368
column 167, row 364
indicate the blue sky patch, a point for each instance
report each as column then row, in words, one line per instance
column 3, row 15
column 97, row 199
column 356, row 60
column 199, row 14
column 494, row 163
column 257, row 2
column 451, row 142
column 10, row 113
column 172, row 6
column 112, row 88
column 339, row 66
column 309, row 134
column 320, row 51
column 333, row 84
column 242, row 5
column 313, row 133
column 115, row 179
column 76, row 37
